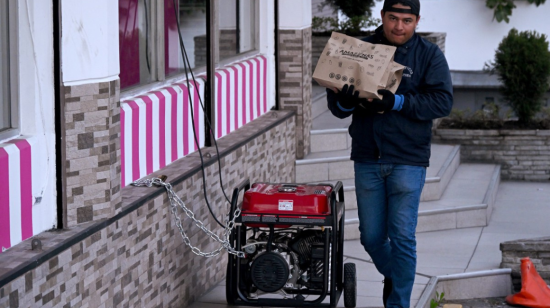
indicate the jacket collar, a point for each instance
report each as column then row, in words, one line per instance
column 381, row 39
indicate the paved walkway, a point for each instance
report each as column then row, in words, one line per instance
column 521, row 211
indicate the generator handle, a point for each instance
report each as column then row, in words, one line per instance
column 339, row 188
column 245, row 184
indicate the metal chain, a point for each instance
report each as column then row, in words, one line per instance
column 175, row 201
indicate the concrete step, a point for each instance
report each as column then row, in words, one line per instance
column 336, row 165
column 326, row 166
column 318, row 103
column 327, row 140
column 467, row 202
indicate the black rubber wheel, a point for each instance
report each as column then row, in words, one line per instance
column 350, row 285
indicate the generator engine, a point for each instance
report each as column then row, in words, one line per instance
column 293, row 261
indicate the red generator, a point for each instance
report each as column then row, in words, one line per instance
column 293, row 239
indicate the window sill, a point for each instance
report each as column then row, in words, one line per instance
column 8, row 134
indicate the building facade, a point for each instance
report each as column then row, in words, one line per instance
column 108, row 99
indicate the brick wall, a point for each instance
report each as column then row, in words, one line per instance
column 538, row 250
column 523, row 154
column 137, row 258
column 295, row 82
column 92, row 151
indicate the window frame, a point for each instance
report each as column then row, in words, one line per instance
column 13, row 72
column 157, row 51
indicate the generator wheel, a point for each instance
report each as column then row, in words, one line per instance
column 350, row 285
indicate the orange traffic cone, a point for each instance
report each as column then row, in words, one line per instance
column 534, row 291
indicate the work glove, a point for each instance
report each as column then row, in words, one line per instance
column 387, row 102
column 347, row 97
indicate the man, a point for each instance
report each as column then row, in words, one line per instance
column 391, row 140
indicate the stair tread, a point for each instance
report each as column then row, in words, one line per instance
column 440, row 153
column 329, row 154
column 467, row 187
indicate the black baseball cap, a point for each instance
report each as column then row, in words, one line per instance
column 414, row 4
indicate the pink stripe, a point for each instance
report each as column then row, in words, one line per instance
column 219, row 105
column 4, row 200
column 243, row 103
column 122, row 149
column 148, row 133
column 196, row 113
column 227, row 101
column 185, row 119
column 174, row 127
column 251, row 81
column 236, row 94
column 265, row 83
column 135, row 139
column 258, row 87
column 26, row 186
column 162, row 129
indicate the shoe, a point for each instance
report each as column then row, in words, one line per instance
column 388, row 286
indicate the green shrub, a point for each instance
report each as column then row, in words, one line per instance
column 503, row 8
column 352, row 8
column 522, row 62
column 353, row 26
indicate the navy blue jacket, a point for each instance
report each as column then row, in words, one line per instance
column 403, row 137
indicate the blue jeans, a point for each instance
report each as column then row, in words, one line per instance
column 388, row 197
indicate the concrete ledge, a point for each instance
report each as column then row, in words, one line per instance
column 321, row 160
column 329, row 131
column 491, row 194
column 453, row 209
column 481, row 284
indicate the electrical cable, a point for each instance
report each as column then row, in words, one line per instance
column 186, row 65
column 147, row 36
column 207, row 120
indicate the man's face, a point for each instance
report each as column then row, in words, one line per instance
column 399, row 27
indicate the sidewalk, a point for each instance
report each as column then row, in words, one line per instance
column 521, row 211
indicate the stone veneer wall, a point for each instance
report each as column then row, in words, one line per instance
column 92, row 151
column 523, row 154
column 137, row 258
column 295, row 82
column 538, row 250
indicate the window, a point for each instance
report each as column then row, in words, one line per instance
column 149, row 37
column 191, row 20
column 5, row 115
column 134, row 42
column 237, row 26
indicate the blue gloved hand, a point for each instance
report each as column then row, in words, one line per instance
column 347, row 98
column 387, row 102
